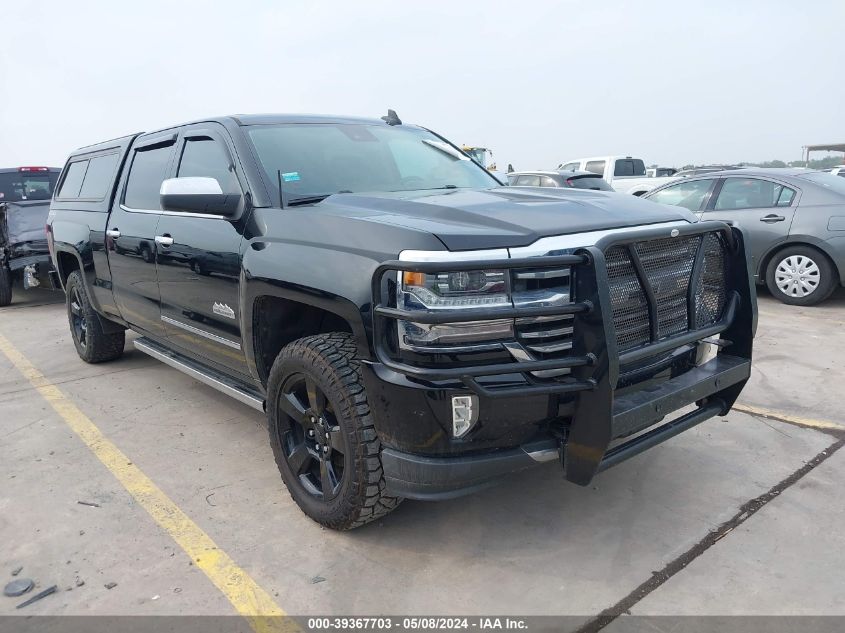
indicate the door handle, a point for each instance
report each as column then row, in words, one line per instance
column 772, row 218
column 164, row 240
column 113, row 233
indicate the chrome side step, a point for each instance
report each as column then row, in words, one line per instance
column 205, row 375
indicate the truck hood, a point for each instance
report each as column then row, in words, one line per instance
column 504, row 216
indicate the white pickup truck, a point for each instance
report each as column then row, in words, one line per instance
column 624, row 173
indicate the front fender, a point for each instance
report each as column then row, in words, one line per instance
column 331, row 280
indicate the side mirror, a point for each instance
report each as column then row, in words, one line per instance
column 197, row 195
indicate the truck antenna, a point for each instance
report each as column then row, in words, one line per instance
column 392, row 118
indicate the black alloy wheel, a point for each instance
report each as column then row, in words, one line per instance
column 314, row 446
column 78, row 322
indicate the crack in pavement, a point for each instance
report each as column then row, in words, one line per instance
column 745, row 512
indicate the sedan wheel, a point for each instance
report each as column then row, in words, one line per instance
column 797, row 276
column 801, row 275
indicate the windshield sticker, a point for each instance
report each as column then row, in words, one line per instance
column 291, row 176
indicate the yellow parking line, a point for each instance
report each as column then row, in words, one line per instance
column 246, row 596
column 823, row 425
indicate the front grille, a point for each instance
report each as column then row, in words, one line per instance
column 663, row 268
column 667, row 265
column 544, row 337
column 627, row 300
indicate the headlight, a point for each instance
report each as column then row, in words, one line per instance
column 487, row 289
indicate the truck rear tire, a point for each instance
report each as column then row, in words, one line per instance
column 322, row 433
column 5, row 286
column 92, row 344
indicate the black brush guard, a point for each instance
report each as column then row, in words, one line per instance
column 599, row 417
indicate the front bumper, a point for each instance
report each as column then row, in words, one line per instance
column 424, row 477
column 605, row 423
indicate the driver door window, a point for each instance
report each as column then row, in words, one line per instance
column 206, row 158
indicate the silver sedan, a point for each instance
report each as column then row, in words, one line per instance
column 794, row 220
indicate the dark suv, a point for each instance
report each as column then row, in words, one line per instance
column 411, row 327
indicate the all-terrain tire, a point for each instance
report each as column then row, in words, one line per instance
column 92, row 343
column 791, row 261
column 329, row 361
column 5, row 286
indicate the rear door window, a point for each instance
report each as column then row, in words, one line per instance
column 72, row 183
column 784, row 196
column 595, row 166
column 98, row 177
column 148, row 171
column 749, row 193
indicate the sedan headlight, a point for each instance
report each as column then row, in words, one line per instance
column 487, row 289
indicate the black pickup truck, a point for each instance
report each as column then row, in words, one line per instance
column 25, row 194
column 412, row 328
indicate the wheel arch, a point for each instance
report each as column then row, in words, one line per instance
column 798, row 240
column 67, row 261
column 274, row 316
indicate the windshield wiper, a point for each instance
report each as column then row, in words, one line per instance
column 313, row 199
column 293, row 202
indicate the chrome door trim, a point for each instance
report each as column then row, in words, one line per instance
column 204, row 333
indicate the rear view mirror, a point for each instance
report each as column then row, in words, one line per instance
column 197, row 195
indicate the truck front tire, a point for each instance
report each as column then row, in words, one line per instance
column 92, row 344
column 5, row 286
column 322, row 433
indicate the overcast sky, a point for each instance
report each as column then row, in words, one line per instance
column 538, row 82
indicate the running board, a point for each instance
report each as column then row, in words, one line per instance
column 206, row 375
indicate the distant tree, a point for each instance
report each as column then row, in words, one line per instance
column 817, row 163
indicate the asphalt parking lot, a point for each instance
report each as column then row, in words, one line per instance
column 741, row 515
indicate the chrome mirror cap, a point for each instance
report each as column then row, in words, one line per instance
column 194, row 185
column 198, row 195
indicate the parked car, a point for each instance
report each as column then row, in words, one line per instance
column 624, row 173
column 707, row 169
column 25, row 194
column 560, row 178
column 413, row 328
column 838, row 171
column 794, row 218
column 660, row 172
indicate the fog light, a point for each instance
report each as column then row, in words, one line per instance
column 464, row 414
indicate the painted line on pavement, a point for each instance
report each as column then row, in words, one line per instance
column 821, row 425
column 248, row 598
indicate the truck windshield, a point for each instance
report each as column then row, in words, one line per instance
column 320, row 159
column 17, row 186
